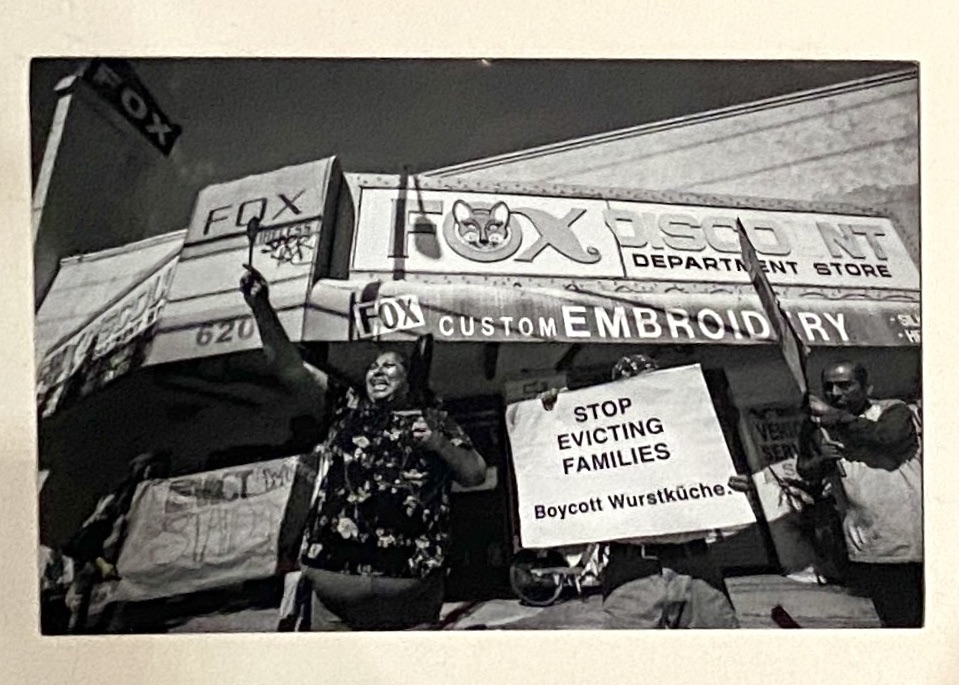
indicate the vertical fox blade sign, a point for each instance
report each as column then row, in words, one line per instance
column 794, row 350
column 116, row 82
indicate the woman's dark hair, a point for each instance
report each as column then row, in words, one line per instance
column 632, row 365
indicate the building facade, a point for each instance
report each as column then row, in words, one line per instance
column 613, row 244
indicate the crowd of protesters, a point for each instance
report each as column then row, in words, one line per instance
column 377, row 536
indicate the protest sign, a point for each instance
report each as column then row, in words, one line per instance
column 204, row 531
column 770, row 435
column 636, row 457
column 771, row 439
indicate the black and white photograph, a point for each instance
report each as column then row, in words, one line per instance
column 476, row 344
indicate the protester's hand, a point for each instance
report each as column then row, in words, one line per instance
column 826, row 414
column 425, row 429
column 254, row 287
column 548, row 398
column 107, row 570
column 855, row 533
column 818, row 406
column 797, row 493
column 830, row 450
column 73, row 598
column 740, row 483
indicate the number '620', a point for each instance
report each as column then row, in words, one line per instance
column 225, row 331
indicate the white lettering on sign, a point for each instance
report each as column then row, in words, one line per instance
column 910, row 320
column 644, row 323
column 911, row 327
column 129, row 96
column 526, row 327
column 387, row 315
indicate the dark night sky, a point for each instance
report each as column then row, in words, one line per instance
column 247, row 116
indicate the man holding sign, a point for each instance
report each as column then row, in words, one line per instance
column 866, row 453
column 642, row 461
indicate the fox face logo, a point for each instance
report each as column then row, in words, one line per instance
column 483, row 234
column 492, row 233
column 482, row 229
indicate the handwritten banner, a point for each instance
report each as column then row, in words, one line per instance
column 643, row 456
column 205, row 531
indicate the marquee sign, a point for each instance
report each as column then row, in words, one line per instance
column 403, row 310
column 458, row 231
column 206, row 314
column 116, row 82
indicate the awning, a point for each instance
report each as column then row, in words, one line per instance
column 106, row 346
column 401, row 310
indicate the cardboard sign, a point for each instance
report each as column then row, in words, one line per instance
column 770, row 437
column 204, row 531
column 638, row 457
column 772, row 447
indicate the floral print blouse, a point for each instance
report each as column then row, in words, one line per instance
column 383, row 506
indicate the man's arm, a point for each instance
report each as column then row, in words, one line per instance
column 816, row 457
column 891, row 439
column 894, row 429
column 300, row 378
